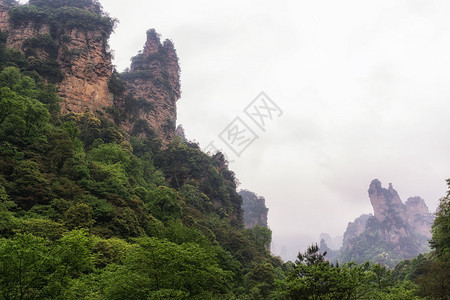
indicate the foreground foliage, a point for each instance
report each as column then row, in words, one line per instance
column 312, row 277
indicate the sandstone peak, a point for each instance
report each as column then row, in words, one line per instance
column 355, row 228
column 417, row 205
column 384, row 201
column 154, row 77
column 77, row 60
column 419, row 216
column 153, row 42
column 391, row 188
column 396, row 231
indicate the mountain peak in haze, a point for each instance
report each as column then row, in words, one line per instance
column 395, row 232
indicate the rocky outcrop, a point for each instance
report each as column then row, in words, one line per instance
column 387, row 206
column 354, row 229
column 154, row 81
column 67, row 40
column 395, row 232
column 79, row 53
column 385, row 202
column 4, row 17
column 418, row 216
column 87, row 69
column 255, row 210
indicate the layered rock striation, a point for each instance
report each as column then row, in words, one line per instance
column 61, row 40
column 67, row 43
column 153, row 82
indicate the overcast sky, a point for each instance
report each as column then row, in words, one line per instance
column 364, row 88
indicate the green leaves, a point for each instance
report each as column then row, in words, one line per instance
column 23, row 264
column 440, row 240
column 23, row 119
column 164, row 203
column 164, row 267
column 315, row 278
column 31, row 267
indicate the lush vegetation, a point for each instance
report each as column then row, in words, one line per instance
column 63, row 14
column 87, row 213
column 313, row 277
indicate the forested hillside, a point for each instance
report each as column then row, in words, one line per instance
column 87, row 213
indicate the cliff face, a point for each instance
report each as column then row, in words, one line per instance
column 154, row 80
column 86, row 66
column 68, row 42
column 4, row 17
column 354, row 229
column 79, row 52
column 385, row 202
column 418, row 216
column 412, row 216
column 396, row 231
column 255, row 210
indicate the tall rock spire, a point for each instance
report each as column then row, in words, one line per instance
column 154, row 78
column 384, row 201
column 396, row 231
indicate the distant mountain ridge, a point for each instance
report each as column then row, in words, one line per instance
column 396, row 231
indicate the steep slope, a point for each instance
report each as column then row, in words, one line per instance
column 153, row 87
column 255, row 210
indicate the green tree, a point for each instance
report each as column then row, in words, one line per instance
column 161, row 268
column 79, row 216
column 25, row 264
column 7, row 219
column 315, row 278
column 440, row 240
column 434, row 281
column 262, row 236
column 22, row 116
column 260, row 281
column 29, row 186
column 164, row 203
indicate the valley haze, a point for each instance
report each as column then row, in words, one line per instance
column 363, row 86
